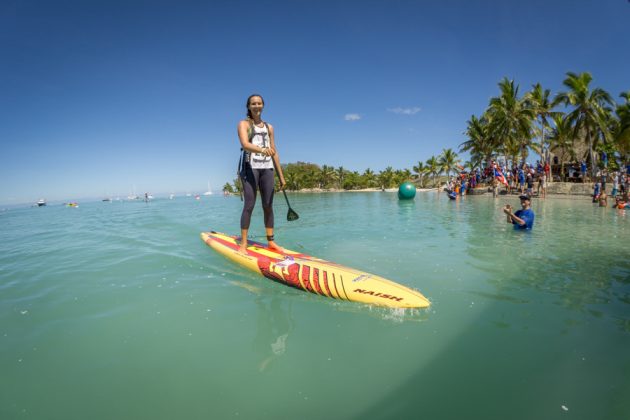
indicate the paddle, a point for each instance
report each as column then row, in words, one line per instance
column 291, row 215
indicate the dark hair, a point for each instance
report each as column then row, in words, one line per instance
column 249, row 114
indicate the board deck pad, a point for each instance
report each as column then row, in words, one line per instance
column 315, row 275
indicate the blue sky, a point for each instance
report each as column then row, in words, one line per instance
column 101, row 96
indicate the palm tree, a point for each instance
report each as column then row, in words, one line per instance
column 294, row 180
column 510, row 117
column 622, row 128
column 340, row 173
column 448, row 159
column 326, row 176
column 480, row 143
column 421, row 171
column 589, row 115
column 561, row 141
column 512, row 150
column 352, row 180
column 238, row 185
column 433, row 168
column 476, row 161
column 369, row 178
column 401, row 175
column 228, row 188
column 386, row 177
column 539, row 100
column 470, row 165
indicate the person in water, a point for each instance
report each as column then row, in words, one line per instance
column 257, row 168
column 619, row 203
column 542, row 185
column 596, row 192
column 603, row 199
column 523, row 218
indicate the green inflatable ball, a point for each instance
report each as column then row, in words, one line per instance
column 406, row 191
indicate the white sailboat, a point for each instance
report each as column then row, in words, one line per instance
column 133, row 196
column 209, row 192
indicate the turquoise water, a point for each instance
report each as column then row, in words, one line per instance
column 118, row 310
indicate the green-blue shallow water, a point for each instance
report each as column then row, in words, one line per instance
column 119, row 311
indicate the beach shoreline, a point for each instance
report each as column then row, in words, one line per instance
column 555, row 189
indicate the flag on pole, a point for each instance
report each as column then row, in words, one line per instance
column 499, row 175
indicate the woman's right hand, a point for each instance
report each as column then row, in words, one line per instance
column 267, row 151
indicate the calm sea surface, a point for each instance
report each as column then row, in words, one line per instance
column 119, row 311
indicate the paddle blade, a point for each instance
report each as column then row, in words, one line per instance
column 291, row 215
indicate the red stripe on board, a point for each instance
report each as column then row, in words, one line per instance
column 231, row 245
column 318, row 287
column 305, row 275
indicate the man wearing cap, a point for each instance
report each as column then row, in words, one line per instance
column 522, row 219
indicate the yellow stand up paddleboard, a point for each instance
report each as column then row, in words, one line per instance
column 315, row 275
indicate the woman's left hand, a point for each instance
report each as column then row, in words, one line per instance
column 283, row 183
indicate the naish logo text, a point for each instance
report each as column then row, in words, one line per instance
column 378, row 294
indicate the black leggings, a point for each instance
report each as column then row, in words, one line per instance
column 254, row 179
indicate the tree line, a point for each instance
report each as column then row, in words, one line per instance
column 508, row 129
column 304, row 175
column 590, row 120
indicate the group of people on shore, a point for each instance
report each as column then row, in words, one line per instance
column 524, row 178
column 521, row 179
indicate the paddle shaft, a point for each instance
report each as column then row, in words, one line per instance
column 291, row 215
column 275, row 168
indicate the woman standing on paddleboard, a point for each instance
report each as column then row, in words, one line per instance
column 257, row 168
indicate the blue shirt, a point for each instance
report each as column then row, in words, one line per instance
column 528, row 218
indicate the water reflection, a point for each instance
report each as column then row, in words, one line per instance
column 274, row 324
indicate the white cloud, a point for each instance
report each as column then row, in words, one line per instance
column 405, row 111
column 352, row 117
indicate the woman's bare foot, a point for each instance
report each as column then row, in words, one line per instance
column 243, row 248
column 274, row 246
